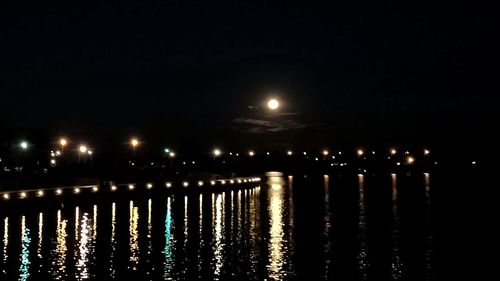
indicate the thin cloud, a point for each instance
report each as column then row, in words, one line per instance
column 256, row 126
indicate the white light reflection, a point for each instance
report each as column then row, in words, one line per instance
column 150, row 227
column 134, row 236
column 40, row 240
column 94, row 223
column 218, row 247
column 82, row 250
column 5, row 243
column 77, row 222
column 186, row 231
column 25, row 253
column 169, row 244
column 363, row 262
column 112, row 269
column 396, row 264
column 253, row 220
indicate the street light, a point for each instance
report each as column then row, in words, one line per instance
column 81, row 149
column 171, row 155
column 217, row 152
column 410, row 160
column 251, row 153
column 134, row 142
column 63, row 142
column 325, row 153
column 24, row 145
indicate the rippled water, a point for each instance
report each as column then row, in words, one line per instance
column 349, row 227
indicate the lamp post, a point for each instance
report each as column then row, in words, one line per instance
column 81, row 149
column 134, row 143
column 216, row 153
column 23, row 146
column 325, row 153
column 171, row 155
column 90, row 153
column 63, row 142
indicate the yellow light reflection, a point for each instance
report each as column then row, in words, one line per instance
column 59, row 272
column 134, row 236
column 77, row 220
column 150, row 229
column 276, row 232
column 94, row 223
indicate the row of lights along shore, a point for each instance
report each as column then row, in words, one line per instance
column 84, row 149
column 115, row 187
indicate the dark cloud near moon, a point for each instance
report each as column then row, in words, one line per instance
column 281, row 123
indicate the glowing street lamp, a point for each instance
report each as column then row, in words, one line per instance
column 134, row 142
column 217, row 152
column 427, row 152
column 251, row 153
column 410, row 160
column 171, row 155
column 289, row 153
column 393, row 151
column 360, row 152
column 82, row 149
column 63, row 142
column 24, row 145
column 325, row 153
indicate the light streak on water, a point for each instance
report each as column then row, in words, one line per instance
column 24, row 268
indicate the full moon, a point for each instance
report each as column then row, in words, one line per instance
column 273, row 104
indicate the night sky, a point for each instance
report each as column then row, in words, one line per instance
column 196, row 73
